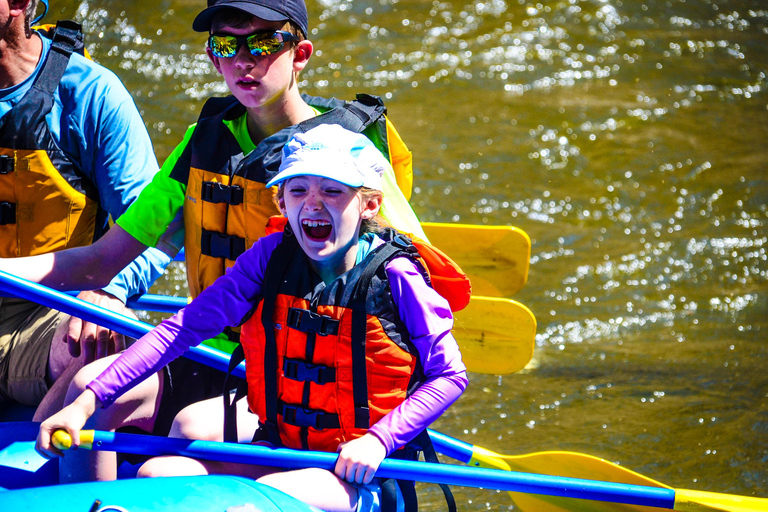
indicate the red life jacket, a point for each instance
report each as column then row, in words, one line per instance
column 325, row 363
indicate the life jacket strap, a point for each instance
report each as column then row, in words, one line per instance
column 355, row 117
column 214, row 192
column 307, row 321
column 220, row 245
column 67, row 37
column 7, row 213
column 303, row 371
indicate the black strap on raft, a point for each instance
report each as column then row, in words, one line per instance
column 230, row 402
column 390, row 486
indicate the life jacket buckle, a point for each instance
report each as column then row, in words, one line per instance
column 301, row 417
column 220, row 245
column 215, row 192
column 7, row 213
column 306, row 321
column 404, row 243
column 7, row 164
column 303, row 371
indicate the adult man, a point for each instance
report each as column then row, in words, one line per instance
column 73, row 151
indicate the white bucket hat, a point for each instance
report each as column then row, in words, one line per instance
column 330, row 151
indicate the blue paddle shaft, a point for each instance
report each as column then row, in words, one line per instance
column 390, row 468
column 90, row 312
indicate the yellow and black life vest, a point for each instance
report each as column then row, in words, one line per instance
column 47, row 203
column 227, row 205
column 325, row 363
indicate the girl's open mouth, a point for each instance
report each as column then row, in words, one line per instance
column 316, row 229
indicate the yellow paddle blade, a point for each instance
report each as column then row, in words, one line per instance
column 496, row 258
column 693, row 501
column 496, row 336
column 574, row 465
column 579, row 465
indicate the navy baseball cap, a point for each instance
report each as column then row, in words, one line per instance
column 268, row 10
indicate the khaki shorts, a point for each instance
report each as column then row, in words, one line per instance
column 26, row 332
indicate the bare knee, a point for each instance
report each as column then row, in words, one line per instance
column 171, row 466
column 202, row 420
column 84, row 376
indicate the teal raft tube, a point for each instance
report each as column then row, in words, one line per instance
column 213, row 493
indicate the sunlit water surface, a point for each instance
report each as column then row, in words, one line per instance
column 628, row 139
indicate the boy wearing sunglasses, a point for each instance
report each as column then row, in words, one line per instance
column 217, row 178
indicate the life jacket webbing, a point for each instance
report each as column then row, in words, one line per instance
column 276, row 267
column 360, row 329
column 352, row 116
column 65, row 38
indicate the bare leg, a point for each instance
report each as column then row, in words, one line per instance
column 53, row 401
column 137, row 408
column 205, row 421
column 62, row 368
column 314, row 486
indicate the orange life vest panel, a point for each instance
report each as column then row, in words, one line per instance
column 325, row 363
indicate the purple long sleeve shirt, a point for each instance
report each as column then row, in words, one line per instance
column 426, row 315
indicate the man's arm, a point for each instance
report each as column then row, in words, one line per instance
column 81, row 268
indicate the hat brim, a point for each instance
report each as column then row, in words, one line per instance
column 298, row 170
column 204, row 20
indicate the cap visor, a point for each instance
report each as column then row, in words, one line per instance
column 204, row 20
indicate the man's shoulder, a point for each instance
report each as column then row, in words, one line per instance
column 88, row 84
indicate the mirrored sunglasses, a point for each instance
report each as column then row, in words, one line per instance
column 259, row 43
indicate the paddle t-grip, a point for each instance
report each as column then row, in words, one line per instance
column 63, row 441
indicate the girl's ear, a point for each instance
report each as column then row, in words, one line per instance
column 371, row 207
column 281, row 205
column 301, row 54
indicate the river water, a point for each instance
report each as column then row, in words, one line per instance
column 627, row 138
